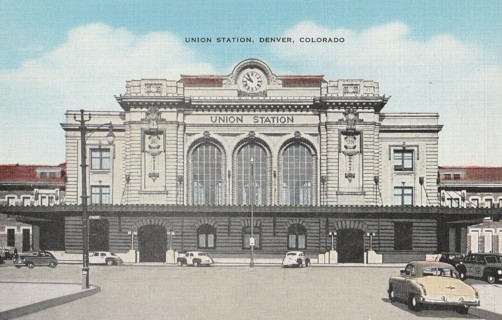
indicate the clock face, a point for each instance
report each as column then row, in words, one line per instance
column 252, row 81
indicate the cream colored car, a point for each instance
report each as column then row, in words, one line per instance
column 435, row 283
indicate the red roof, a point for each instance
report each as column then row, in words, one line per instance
column 28, row 173
column 302, row 81
column 474, row 173
column 202, row 81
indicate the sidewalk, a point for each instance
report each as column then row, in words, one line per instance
column 29, row 297
column 491, row 302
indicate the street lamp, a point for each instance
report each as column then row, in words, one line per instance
column 332, row 234
column 110, row 138
column 371, row 235
column 171, row 234
column 251, row 200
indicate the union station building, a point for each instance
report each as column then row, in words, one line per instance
column 303, row 162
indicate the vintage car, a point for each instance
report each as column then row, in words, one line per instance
column 104, row 257
column 433, row 283
column 486, row 266
column 195, row 258
column 456, row 259
column 36, row 258
column 295, row 259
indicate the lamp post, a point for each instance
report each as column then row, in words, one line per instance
column 171, row 234
column 251, row 200
column 332, row 234
column 371, row 235
column 110, row 137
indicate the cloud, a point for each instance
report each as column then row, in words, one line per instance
column 460, row 81
column 85, row 71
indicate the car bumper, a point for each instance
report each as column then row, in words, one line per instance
column 451, row 301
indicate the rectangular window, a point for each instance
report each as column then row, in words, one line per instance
column 456, row 176
column 488, row 203
column 403, row 160
column 100, row 159
column 26, row 201
column 11, row 237
column 475, row 203
column 11, row 201
column 403, row 236
column 100, row 194
column 447, row 176
column 403, row 196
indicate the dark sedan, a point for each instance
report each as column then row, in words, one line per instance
column 36, row 258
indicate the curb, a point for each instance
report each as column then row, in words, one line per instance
column 42, row 305
column 485, row 314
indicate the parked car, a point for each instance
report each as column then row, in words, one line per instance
column 195, row 258
column 486, row 266
column 453, row 258
column 104, row 257
column 433, row 283
column 8, row 252
column 36, row 258
column 295, row 259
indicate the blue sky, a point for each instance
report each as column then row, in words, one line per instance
column 430, row 56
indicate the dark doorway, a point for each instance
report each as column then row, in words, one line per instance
column 350, row 246
column 98, row 235
column 152, row 243
column 51, row 235
column 26, row 240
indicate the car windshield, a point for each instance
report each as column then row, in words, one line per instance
column 113, row 254
column 291, row 254
column 202, row 254
column 440, row 272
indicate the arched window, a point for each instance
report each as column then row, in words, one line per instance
column 206, row 237
column 244, row 174
column 297, row 175
column 246, row 235
column 297, row 237
column 207, row 175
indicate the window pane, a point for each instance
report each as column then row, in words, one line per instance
column 297, row 175
column 210, row 240
column 292, row 241
column 202, row 240
column 244, row 175
column 208, row 184
column 301, row 241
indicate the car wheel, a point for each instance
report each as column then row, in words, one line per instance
column 196, row 263
column 19, row 267
column 490, row 278
column 180, row 263
column 414, row 304
column 392, row 295
column 307, row 264
column 463, row 309
column 30, row 265
column 52, row 265
column 462, row 275
column 109, row 262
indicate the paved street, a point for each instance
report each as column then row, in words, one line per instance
column 227, row 292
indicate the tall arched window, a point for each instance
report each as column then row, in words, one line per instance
column 297, row 237
column 297, row 175
column 207, row 175
column 244, row 174
column 206, row 237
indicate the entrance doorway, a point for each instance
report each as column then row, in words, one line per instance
column 152, row 240
column 350, row 245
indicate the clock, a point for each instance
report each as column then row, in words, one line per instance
column 252, row 80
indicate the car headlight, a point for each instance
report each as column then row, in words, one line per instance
column 499, row 271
